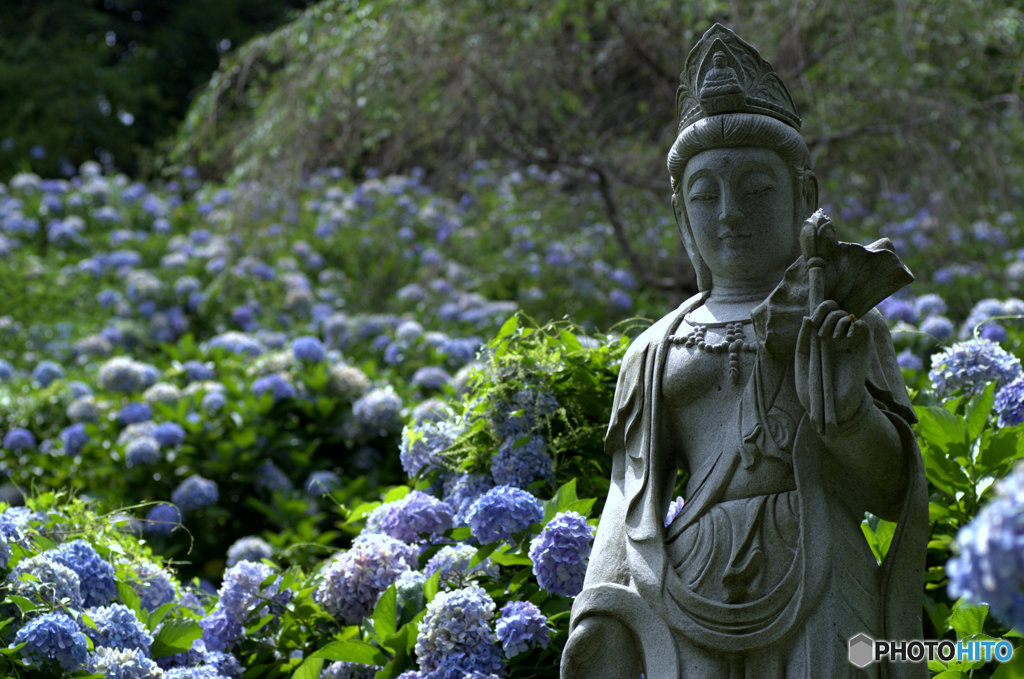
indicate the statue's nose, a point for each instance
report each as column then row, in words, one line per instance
column 730, row 214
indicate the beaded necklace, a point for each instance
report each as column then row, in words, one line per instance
column 734, row 342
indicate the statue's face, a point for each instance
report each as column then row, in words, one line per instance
column 740, row 206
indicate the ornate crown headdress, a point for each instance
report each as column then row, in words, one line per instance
column 723, row 74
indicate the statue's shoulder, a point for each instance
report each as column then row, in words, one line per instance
column 654, row 334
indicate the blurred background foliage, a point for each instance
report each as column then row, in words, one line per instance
column 917, row 98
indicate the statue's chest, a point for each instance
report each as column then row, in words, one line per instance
column 708, row 367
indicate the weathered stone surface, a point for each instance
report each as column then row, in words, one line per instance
column 775, row 391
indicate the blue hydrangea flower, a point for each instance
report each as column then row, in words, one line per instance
column 117, row 626
column 213, row 401
column 19, row 438
column 502, row 511
column 322, row 482
column 674, row 508
column 908, row 360
column 126, row 375
column 46, row 372
column 309, row 349
column 74, row 437
column 163, row 519
column 379, row 410
column 220, row 630
column 5, row 552
column 196, row 672
column 83, row 409
column 276, row 384
column 970, row 365
column 271, row 477
column 236, row 343
column 141, row 451
column 522, row 414
column 930, row 305
column 897, row 309
column 134, row 412
column 96, row 576
column 123, row 663
column 560, row 553
column 249, row 548
column 989, row 567
column 455, row 634
column 453, row 563
column 242, row 593
column 1010, row 403
column 462, row 490
column 195, row 493
column 521, row 627
column 152, row 584
column 351, row 583
column 348, row 670
column 415, row 515
column 6, row 370
column 431, row 377
column 983, row 311
column 169, row 434
column 51, row 582
column 520, row 462
column 939, row 327
column 423, row 443
column 53, row 638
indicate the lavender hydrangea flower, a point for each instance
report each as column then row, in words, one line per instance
column 939, row 327
column 53, row 638
column 196, row 672
column 243, row 591
column 141, row 451
column 462, row 490
column 674, row 508
column 276, row 384
column 971, row 364
column 126, row 375
column 134, row 413
column 423, row 443
column 46, row 372
column 117, row 626
column 123, row 663
column 415, row 515
column 521, row 415
column 163, row 519
column 351, row 583
column 220, row 630
column 520, row 462
column 989, row 567
column 453, row 563
column 431, row 377
column 379, row 410
column 96, row 576
column 19, row 438
column 195, row 493
column 348, row 670
column 152, row 584
column 271, row 477
column 1010, row 403
column 74, row 437
column 521, row 627
column 897, row 309
column 236, row 343
column 908, row 360
column 50, row 582
column 455, row 634
column 502, row 511
column 169, row 434
column 560, row 553
column 309, row 349
column 249, row 548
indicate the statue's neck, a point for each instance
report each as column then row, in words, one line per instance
column 730, row 302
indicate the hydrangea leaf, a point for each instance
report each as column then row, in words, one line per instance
column 385, row 614
column 979, row 407
column 940, row 428
column 175, row 636
column 967, row 619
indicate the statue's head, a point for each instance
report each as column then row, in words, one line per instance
column 731, row 98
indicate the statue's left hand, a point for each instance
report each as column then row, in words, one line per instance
column 831, row 366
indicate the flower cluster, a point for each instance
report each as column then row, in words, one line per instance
column 117, row 626
column 1010, row 403
column 502, row 511
column 95, row 575
column 521, row 628
column 53, row 639
column 352, row 582
column 520, row 462
column 455, row 634
column 990, row 565
column 123, row 663
column 560, row 553
column 968, row 366
column 249, row 548
column 195, row 493
column 415, row 515
column 423, row 443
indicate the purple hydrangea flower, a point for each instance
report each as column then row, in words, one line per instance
column 46, row 372
column 939, row 327
column 896, row 309
column 560, row 553
column 309, row 349
column 462, row 490
column 521, row 627
column 141, row 451
column 422, row 444
column 53, row 638
column 930, row 305
column 1010, row 403
column 74, row 438
column 502, row 511
column 50, row 582
column 163, row 519
column 96, row 576
column 220, row 630
column 379, row 410
column 152, row 584
column 989, row 567
column 348, row 670
column 133, row 413
column 431, row 377
column 415, row 515
column 236, row 343
column 123, row 663
column 352, row 582
column 276, row 384
column 271, row 477
column 117, row 626
column 970, row 365
column 19, row 438
column 243, row 591
column 169, row 434
column 521, row 415
column 674, row 508
column 249, row 548
column 194, row 493
column 197, row 371
column 520, row 462
column 455, row 634
column 908, row 360
column 453, row 563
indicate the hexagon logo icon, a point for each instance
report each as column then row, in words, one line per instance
column 862, row 650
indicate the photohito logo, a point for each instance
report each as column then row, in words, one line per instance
column 863, row 650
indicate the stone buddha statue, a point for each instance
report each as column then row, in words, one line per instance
column 772, row 398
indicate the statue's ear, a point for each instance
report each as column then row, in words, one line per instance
column 810, row 191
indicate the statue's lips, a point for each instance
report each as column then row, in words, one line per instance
column 734, row 236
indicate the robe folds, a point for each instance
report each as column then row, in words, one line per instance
column 772, row 585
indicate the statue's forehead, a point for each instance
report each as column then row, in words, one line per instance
column 729, row 158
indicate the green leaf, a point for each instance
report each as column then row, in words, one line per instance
column 352, row 650
column 978, row 410
column 967, row 619
column 939, row 427
column 176, row 636
column 880, row 537
column 508, row 328
column 563, row 498
column 432, row 586
column 385, row 614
